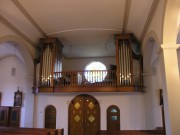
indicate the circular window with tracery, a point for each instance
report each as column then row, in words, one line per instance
column 95, row 72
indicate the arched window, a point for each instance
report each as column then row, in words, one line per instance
column 96, row 72
column 113, row 118
column 50, row 117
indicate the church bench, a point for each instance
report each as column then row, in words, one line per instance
column 30, row 131
column 132, row 132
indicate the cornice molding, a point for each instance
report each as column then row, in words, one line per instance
column 27, row 15
column 173, row 46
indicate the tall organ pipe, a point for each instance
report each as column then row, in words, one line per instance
column 120, row 74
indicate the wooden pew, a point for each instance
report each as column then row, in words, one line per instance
column 132, row 132
column 30, row 131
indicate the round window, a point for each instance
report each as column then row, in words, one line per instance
column 95, row 72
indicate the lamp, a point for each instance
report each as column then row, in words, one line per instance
column 13, row 69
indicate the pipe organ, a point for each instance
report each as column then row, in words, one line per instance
column 126, row 77
column 128, row 60
column 50, row 61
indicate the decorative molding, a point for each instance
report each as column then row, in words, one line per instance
column 174, row 46
column 27, row 15
column 66, row 57
column 84, row 29
column 153, row 35
column 149, row 18
column 126, row 15
column 17, row 31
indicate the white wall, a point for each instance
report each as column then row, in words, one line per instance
column 152, row 82
column 9, row 84
column 80, row 64
column 131, row 108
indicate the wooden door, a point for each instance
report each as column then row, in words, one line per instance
column 84, row 116
column 113, row 118
column 50, row 117
column 4, row 114
column 14, row 116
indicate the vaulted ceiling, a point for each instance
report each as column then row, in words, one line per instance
column 85, row 27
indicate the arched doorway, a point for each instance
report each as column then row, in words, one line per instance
column 113, row 118
column 84, row 115
column 50, row 117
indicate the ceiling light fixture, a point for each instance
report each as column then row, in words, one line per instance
column 13, row 69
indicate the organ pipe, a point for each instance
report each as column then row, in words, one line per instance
column 126, row 54
column 50, row 61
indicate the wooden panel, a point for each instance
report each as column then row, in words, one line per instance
column 113, row 118
column 92, row 115
column 30, row 131
column 14, row 117
column 4, row 114
column 76, row 116
column 50, row 117
column 84, row 116
column 132, row 132
column 45, row 89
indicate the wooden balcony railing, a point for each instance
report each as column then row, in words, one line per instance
column 96, row 80
column 85, row 78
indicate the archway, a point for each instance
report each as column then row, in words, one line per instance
column 152, row 81
column 9, row 45
column 171, row 84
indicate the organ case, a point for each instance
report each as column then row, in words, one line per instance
column 50, row 61
column 128, row 61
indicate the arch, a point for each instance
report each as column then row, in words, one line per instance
column 152, row 80
column 113, row 118
column 170, row 94
column 151, row 35
column 178, row 34
column 26, row 57
column 50, row 117
column 151, row 48
column 171, row 20
column 26, row 54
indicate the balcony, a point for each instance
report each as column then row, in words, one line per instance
column 126, row 77
column 89, row 81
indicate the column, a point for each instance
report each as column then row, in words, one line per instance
column 29, row 102
column 171, row 88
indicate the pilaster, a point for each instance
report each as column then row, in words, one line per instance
column 171, row 87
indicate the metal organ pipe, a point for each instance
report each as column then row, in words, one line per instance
column 43, row 71
column 129, row 66
column 47, row 66
column 127, row 63
column 119, row 64
column 50, row 65
column 44, row 66
column 124, row 68
column 124, row 63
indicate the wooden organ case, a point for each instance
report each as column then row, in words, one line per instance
column 128, row 62
column 49, row 62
